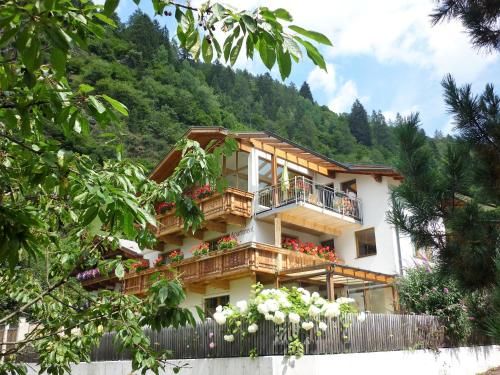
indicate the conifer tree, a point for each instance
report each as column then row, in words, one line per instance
column 305, row 91
column 358, row 123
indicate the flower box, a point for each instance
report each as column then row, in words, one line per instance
column 201, row 249
column 226, row 243
column 175, row 256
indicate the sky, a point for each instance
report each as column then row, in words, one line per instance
column 385, row 53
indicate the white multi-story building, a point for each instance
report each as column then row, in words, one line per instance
column 282, row 195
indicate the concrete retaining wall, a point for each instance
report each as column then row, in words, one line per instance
column 457, row 361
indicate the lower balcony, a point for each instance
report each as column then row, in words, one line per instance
column 301, row 202
column 233, row 206
column 218, row 267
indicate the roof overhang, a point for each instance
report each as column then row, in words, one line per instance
column 273, row 144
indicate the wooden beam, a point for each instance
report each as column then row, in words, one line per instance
column 236, row 220
column 330, row 285
column 220, row 284
column 313, row 225
column 277, row 231
column 199, row 234
column 288, row 156
column 215, row 227
column 196, row 288
column 174, row 240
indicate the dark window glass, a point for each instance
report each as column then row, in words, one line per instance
column 212, row 303
column 365, row 242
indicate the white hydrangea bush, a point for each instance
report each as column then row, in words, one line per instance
column 296, row 306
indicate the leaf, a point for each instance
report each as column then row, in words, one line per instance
column 120, row 107
column 291, row 46
column 105, row 19
column 218, row 10
column 200, row 312
column 110, row 6
column 313, row 53
column 85, row 88
column 236, row 51
column 284, row 64
column 283, row 14
column 318, row 37
column 228, row 43
column 97, row 104
column 249, row 23
column 120, row 271
column 207, row 51
column 58, row 61
column 250, row 47
column 267, row 54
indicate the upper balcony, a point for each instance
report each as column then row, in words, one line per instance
column 218, row 267
column 233, row 206
column 305, row 203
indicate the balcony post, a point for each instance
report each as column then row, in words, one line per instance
column 330, row 285
column 277, row 230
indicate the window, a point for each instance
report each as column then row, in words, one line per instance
column 349, row 187
column 212, row 303
column 365, row 242
column 265, row 173
column 330, row 243
column 213, row 244
column 236, row 170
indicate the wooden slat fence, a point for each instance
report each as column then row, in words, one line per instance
column 379, row 332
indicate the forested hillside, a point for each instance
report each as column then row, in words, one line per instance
column 166, row 92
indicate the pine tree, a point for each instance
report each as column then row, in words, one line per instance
column 381, row 133
column 358, row 123
column 305, row 91
column 481, row 19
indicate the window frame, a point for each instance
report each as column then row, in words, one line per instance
column 358, row 255
column 218, row 297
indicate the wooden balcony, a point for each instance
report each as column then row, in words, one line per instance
column 233, row 206
column 218, row 267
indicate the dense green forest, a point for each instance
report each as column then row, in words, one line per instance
column 166, row 92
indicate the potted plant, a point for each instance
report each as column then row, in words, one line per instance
column 203, row 192
column 175, row 256
column 201, row 249
column 163, row 207
column 140, row 265
column 160, row 261
column 290, row 244
column 228, row 242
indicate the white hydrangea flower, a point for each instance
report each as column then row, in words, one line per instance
column 252, row 328
column 332, row 310
column 314, row 311
column 361, row 316
column 300, row 289
column 272, row 305
column 262, row 308
column 220, row 317
column 320, row 301
column 306, row 298
column 229, row 338
column 218, row 308
column 344, row 300
column 268, row 316
column 279, row 317
column 294, row 318
column 242, row 306
column 307, row 325
column 322, row 326
column 315, row 295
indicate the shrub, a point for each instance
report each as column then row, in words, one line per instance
column 425, row 291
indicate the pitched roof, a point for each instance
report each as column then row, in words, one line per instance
column 273, row 143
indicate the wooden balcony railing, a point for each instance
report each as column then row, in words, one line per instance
column 225, row 264
column 233, row 206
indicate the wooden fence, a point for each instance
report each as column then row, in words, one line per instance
column 379, row 332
